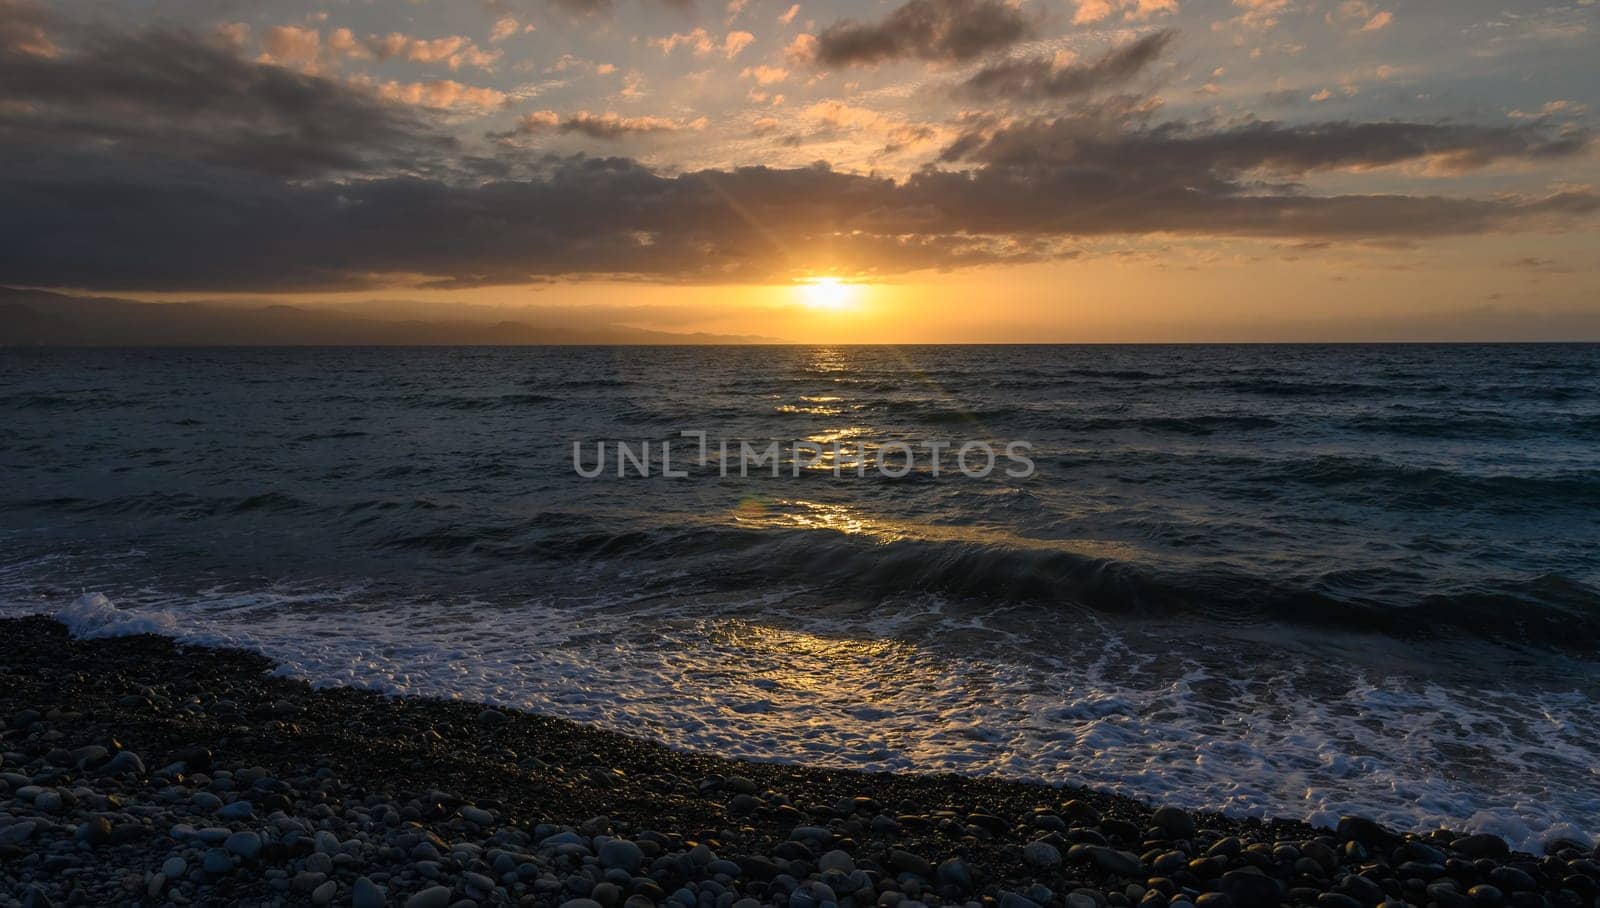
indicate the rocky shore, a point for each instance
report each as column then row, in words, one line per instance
column 138, row 771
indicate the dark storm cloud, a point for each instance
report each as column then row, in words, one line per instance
column 172, row 93
column 607, row 126
column 939, row 30
column 160, row 162
column 193, row 227
column 1195, row 155
column 1039, row 78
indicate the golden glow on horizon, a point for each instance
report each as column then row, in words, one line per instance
column 1189, row 293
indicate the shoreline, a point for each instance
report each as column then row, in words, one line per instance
column 129, row 757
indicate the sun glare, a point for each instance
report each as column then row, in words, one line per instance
column 828, row 293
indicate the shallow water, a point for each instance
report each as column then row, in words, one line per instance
column 1295, row 581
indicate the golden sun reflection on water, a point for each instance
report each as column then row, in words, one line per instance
column 799, row 665
column 754, row 512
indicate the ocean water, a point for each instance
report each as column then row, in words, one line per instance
column 1293, row 581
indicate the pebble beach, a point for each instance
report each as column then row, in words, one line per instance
column 139, row 771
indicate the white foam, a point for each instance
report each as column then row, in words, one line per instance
column 92, row 615
column 1276, row 737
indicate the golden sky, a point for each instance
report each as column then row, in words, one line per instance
column 903, row 171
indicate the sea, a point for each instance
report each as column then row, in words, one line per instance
column 1279, row 581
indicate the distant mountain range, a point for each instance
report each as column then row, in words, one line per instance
column 37, row 318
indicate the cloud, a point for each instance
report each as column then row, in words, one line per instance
column 120, row 170
column 1041, row 78
column 504, row 27
column 1260, row 15
column 1026, row 192
column 291, row 44
column 802, row 51
column 1193, row 155
column 441, row 94
column 789, row 14
column 609, row 125
column 736, row 42
column 121, row 94
column 305, row 47
column 701, row 44
column 233, row 35
column 1361, row 15
column 765, row 75
column 1551, row 109
column 1088, row 12
column 454, row 51
column 23, row 30
column 935, row 30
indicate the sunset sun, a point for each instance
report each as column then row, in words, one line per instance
column 829, row 294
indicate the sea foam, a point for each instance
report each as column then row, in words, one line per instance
column 1105, row 714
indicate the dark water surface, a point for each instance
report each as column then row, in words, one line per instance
column 1282, row 579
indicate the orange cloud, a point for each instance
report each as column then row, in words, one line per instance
column 441, row 94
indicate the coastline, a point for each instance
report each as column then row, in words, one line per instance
column 129, row 757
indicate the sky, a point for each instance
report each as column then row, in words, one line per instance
column 898, row 171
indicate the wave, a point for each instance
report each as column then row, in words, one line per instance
column 493, row 402
column 1477, row 426
column 940, row 412
column 858, row 570
column 1184, row 725
column 1177, row 425
column 73, row 402
column 1404, row 485
column 182, row 505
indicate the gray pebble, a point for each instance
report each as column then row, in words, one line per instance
column 367, row 894
column 246, row 845
column 621, row 854
column 432, row 897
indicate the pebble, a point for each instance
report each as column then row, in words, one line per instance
column 124, row 762
column 432, row 897
column 238, row 810
column 836, row 861
column 1041, row 855
column 955, row 872
column 217, row 861
column 1248, row 889
column 1485, row 894
column 17, row 833
column 1173, row 822
column 1363, row 830
column 620, row 854
column 902, row 861
column 1111, row 860
column 367, row 894
column 692, row 840
column 1482, row 845
column 246, row 845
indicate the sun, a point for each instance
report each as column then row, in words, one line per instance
column 828, row 293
